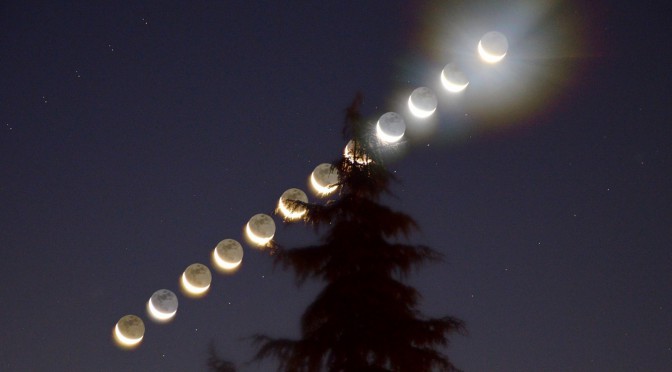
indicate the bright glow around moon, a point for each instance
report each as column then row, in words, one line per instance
column 493, row 47
column 260, row 229
column 349, row 153
column 422, row 102
column 228, row 255
column 162, row 306
column 129, row 331
column 287, row 211
column 390, row 127
column 324, row 179
column 453, row 79
column 196, row 280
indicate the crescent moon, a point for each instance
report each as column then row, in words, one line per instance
column 221, row 262
column 422, row 102
column 450, row 85
column 227, row 255
column 260, row 220
column 487, row 56
column 349, row 153
column 129, row 331
column 292, row 213
column 196, row 280
column 162, row 305
column 386, row 137
column 193, row 289
column 126, row 341
column 320, row 188
column 418, row 112
column 158, row 314
column 324, row 179
column 255, row 238
column 493, row 47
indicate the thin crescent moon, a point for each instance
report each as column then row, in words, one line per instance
column 158, row 314
column 226, row 265
column 487, row 56
column 418, row 112
column 349, row 154
column 192, row 288
column 126, row 341
column 386, row 137
column 290, row 214
column 450, row 86
column 321, row 189
column 287, row 211
column 256, row 239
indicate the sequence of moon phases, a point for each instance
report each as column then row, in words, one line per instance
column 422, row 102
column 129, row 331
column 260, row 229
column 162, row 306
column 196, row 280
column 292, row 212
column 324, row 179
column 453, row 79
column 355, row 155
column 390, row 127
column 492, row 47
column 227, row 255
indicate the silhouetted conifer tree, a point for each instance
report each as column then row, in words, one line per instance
column 366, row 317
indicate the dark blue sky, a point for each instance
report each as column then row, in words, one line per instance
column 135, row 136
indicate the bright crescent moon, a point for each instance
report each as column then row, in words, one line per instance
column 292, row 194
column 158, row 314
column 451, row 86
column 349, row 153
column 227, row 255
column 129, row 331
column 322, row 190
column 324, row 179
column 386, row 137
column 487, row 56
column 418, row 112
column 256, row 239
column 125, row 341
column 226, row 265
column 192, row 288
column 289, row 214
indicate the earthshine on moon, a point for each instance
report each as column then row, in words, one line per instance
column 349, row 153
column 196, row 280
column 324, row 179
column 227, row 255
column 493, row 47
column 390, row 127
column 288, row 212
column 129, row 331
column 453, row 79
column 260, row 229
column 162, row 306
column 422, row 102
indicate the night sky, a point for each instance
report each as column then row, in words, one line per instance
column 134, row 136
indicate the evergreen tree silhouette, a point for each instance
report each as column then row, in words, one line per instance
column 366, row 317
